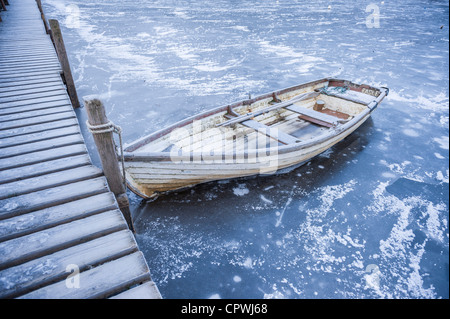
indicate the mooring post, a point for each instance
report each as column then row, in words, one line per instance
column 106, row 148
column 39, row 4
column 58, row 41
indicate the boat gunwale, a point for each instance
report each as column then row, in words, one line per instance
column 129, row 149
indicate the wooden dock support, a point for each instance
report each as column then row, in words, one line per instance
column 39, row 4
column 106, row 148
column 58, row 41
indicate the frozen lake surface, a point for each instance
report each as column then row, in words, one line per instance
column 366, row 219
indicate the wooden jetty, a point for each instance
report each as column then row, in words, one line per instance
column 62, row 234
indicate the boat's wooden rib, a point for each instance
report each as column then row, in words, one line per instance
column 234, row 140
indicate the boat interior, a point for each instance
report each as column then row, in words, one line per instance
column 269, row 121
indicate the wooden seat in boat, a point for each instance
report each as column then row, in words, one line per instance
column 271, row 132
column 314, row 116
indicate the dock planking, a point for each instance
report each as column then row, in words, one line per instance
column 56, row 209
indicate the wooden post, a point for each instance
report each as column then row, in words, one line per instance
column 39, row 4
column 62, row 55
column 106, row 149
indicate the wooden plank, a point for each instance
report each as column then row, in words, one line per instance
column 310, row 113
column 42, row 182
column 31, row 58
column 50, row 197
column 147, row 290
column 26, row 54
column 27, row 91
column 271, row 132
column 35, row 106
column 33, row 113
column 58, row 97
column 5, row 72
column 58, row 41
column 36, row 120
column 32, row 96
column 41, row 45
column 19, row 66
column 27, row 62
column 39, row 84
column 30, row 80
column 38, row 220
column 99, row 282
column 23, row 249
column 12, row 75
column 40, row 127
column 49, row 269
column 40, row 156
column 20, row 173
column 33, row 70
column 39, row 136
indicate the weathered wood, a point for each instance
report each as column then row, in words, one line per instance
column 39, row 136
column 48, row 167
column 28, row 66
column 47, row 144
column 26, row 277
column 38, row 220
column 250, row 115
column 30, row 86
column 29, row 80
column 30, row 70
column 39, row 127
column 52, row 98
column 36, row 245
column 55, row 206
column 51, row 197
column 61, row 51
column 50, row 180
column 28, row 59
column 314, row 115
column 44, row 20
column 32, row 113
column 11, row 76
column 271, row 132
column 99, row 282
column 11, row 99
column 39, row 156
column 107, row 151
column 36, row 120
column 147, row 290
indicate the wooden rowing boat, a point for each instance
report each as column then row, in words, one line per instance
column 260, row 135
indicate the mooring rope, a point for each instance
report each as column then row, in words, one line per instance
column 108, row 128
